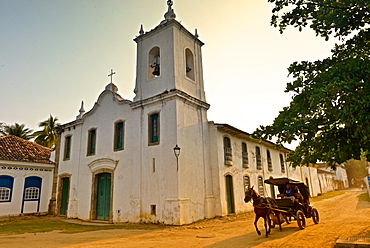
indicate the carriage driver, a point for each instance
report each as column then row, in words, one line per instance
column 290, row 191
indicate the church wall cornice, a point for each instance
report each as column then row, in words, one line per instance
column 23, row 164
column 168, row 24
column 242, row 134
column 168, row 95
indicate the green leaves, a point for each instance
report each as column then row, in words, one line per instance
column 325, row 17
column 18, row 130
column 330, row 109
column 48, row 136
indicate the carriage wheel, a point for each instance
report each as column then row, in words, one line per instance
column 301, row 220
column 315, row 216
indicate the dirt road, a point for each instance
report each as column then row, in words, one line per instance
column 340, row 216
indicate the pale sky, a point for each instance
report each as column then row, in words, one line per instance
column 56, row 53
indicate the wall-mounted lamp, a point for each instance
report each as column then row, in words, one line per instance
column 176, row 150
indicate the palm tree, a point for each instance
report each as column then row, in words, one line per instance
column 2, row 129
column 18, row 130
column 48, row 136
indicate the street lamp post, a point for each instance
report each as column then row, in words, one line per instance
column 176, row 150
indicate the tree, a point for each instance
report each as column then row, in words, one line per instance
column 330, row 108
column 48, row 136
column 18, row 130
column 2, row 129
column 356, row 171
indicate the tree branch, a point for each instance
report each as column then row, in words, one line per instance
column 326, row 6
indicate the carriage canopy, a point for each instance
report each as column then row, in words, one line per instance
column 282, row 181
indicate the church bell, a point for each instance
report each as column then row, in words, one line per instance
column 155, row 65
column 156, row 70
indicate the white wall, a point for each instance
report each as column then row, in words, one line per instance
column 237, row 171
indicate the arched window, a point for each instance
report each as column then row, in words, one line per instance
column 245, row 161
column 228, row 152
column 247, row 182
column 258, row 158
column 189, row 64
column 154, row 63
column 32, row 188
column 260, row 187
column 269, row 161
column 282, row 163
column 6, row 188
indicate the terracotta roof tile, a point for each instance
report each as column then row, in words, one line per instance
column 18, row 149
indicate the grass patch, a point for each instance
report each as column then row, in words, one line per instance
column 48, row 225
column 326, row 196
column 364, row 197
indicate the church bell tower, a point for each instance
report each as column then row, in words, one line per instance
column 168, row 58
column 171, row 100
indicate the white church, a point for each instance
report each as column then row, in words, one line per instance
column 157, row 158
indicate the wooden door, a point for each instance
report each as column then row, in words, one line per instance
column 230, row 194
column 65, row 196
column 103, row 196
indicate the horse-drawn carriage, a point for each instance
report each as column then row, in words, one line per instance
column 285, row 208
column 299, row 208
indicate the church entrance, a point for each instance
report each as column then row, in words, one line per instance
column 65, row 195
column 103, row 196
column 230, row 194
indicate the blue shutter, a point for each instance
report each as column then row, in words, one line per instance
column 34, row 182
column 6, row 182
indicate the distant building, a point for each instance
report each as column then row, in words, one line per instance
column 26, row 176
column 341, row 177
column 330, row 180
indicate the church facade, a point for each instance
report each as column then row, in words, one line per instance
column 157, row 158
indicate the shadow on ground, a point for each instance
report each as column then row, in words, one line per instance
column 252, row 239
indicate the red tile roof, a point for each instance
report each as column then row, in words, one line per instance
column 18, row 149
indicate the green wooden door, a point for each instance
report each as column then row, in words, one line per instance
column 65, row 194
column 103, row 196
column 230, row 194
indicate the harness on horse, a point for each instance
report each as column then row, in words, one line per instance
column 261, row 202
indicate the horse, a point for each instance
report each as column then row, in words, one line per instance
column 263, row 207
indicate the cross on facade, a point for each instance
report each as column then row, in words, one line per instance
column 111, row 75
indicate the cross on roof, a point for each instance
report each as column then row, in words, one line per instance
column 169, row 3
column 111, row 75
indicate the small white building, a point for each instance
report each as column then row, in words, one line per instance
column 157, row 158
column 26, row 176
column 330, row 180
column 341, row 177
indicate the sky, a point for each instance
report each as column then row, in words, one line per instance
column 56, row 53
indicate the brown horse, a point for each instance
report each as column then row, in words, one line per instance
column 262, row 208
